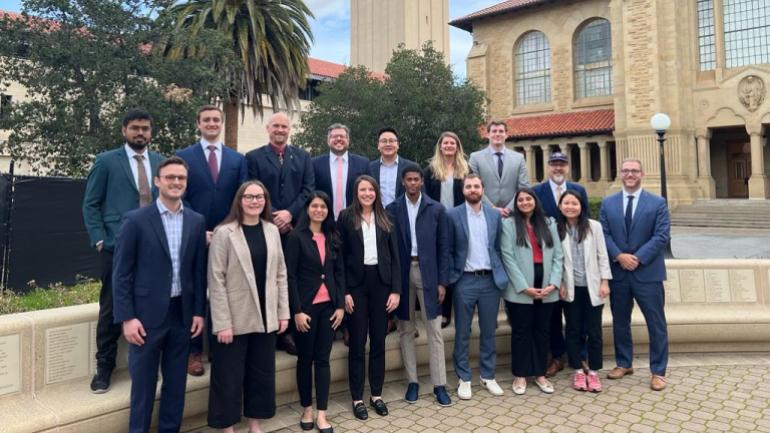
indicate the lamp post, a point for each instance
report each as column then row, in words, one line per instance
column 660, row 122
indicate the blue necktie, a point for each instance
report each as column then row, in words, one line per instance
column 629, row 213
column 499, row 163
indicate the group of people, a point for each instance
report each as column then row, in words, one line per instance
column 278, row 249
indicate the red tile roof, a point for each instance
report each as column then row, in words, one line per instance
column 324, row 69
column 562, row 124
column 466, row 22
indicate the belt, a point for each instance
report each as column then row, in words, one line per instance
column 481, row 273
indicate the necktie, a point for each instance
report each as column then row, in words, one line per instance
column 499, row 163
column 213, row 168
column 629, row 212
column 559, row 191
column 338, row 199
column 145, row 196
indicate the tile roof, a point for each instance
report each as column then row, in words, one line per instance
column 324, row 69
column 466, row 22
column 562, row 124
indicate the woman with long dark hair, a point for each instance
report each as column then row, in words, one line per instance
column 373, row 288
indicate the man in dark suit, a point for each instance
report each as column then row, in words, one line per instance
column 423, row 248
column 637, row 229
column 549, row 193
column 216, row 172
column 159, row 293
column 389, row 167
column 337, row 171
column 119, row 181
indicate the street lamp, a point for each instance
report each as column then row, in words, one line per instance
column 660, row 122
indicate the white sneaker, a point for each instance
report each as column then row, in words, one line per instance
column 492, row 386
column 464, row 390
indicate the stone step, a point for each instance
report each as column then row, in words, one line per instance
column 731, row 213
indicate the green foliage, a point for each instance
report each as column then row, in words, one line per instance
column 418, row 97
column 595, row 204
column 55, row 296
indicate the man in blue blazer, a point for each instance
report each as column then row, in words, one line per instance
column 637, row 228
column 120, row 180
column 338, row 164
column 548, row 193
column 389, row 167
column 479, row 278
column 216, row 172
column 159, row 293
column 423, row 247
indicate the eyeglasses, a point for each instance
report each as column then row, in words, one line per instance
column 338, row 136
column 174, row 177
column 137, row 128
column 253, row 197
column 388, row 140
column 630, row 171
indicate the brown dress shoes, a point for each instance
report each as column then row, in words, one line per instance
column 619, row 372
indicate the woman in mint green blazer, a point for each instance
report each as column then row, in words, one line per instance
column 532, row 256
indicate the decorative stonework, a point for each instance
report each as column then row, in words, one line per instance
column 751, row 92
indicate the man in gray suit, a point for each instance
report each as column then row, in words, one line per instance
column 503, row 170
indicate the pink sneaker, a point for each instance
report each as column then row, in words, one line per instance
column 579, row 381
column 594, row 384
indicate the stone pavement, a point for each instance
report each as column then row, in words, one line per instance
column 706, row 393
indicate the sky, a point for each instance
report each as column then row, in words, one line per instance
column 331, row 29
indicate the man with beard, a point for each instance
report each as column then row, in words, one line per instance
column 478, row 276
column 118, row 182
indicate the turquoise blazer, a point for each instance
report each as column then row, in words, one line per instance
column 521, row 269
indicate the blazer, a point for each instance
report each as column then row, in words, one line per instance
column 388, row 264
column 357, row 165
column 597, row 263
column 521, row 269
column 232, row 283
column 290, row 183
column 650, row 231
column 547, row 200
column 499, row 191
column 306, row 273
column 458, row 238
column 374, row 171
column 111, row 191
column 432, row 231
column 212, row 200
column 142, row 269
column 433, row 187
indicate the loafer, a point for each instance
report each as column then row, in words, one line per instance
column 379, row 406
column 412, row 393
column 195, row 365
column 492, row 386
column 619, row 372
column 657, row 382
column 556, row 365
column 546, row 387
column 306, row 425
column 442, row 397
column 464, row 391
column 519, row 389
column 101, row 381
column 359, row 410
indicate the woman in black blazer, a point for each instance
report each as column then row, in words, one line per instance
column 444, row 183
column 316, row 296
column 373, row 288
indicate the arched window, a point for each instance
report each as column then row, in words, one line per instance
column 532, row 61
column 593, row 60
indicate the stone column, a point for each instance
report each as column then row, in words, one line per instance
column 585, row 162
column 546, row 155
column 529, row 151
column 758, row 181
column 604, row 160
column 704, row 162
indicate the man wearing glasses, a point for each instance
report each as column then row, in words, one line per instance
column 387, row 170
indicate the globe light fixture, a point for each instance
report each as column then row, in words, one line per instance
column 660, row 122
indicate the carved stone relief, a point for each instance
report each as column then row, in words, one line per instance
column 751, row 92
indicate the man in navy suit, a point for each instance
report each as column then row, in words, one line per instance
column 216, row 172
column 389, row 167
column 637, row 228
column 549, row 193
column 337, row 171
column 159, row 292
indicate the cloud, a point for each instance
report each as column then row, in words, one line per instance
column 330, row 9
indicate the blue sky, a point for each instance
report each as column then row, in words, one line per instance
column 331, row 29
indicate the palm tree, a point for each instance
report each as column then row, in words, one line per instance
column 270, row 39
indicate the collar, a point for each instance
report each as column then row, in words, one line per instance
column 492, row 150
column 636, row 194
column 131, row 152
column 555, row 185
column 409, row 202
column 395, row 162
column 205, row 144
column 163, row 209
column 333, row 156
column 470, row 210
column 278, row 151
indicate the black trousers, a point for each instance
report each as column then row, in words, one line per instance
column 584, row 324
column 242, row 376
column 369, row 319
column 107, row 331
column 313, row 350
column 558, row 344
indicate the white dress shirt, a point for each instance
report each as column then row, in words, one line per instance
column 554, row 187
column 333, row 173
column 478, row 244
column 636, row 195
column 218, row 151
column 388, row 179
column 370, row 241
column 135, row 168
column 411, row 210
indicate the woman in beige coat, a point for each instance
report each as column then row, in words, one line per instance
column 249, row 300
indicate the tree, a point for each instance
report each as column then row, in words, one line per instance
column 271, row 39
column 83, row 64
column 418, row 96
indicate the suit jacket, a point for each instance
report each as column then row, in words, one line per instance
column 111, row 191
column 142, row 269
column 499, row 191
column 433, row 187
column 374, row 171
column 357, row 165
column 650, row 231
column 432, row 231
column 233, row 287
column 290, row 183
column 306, row 272
column 212, row 200
column 388, row 263
column 547, row 200
column 521, row 268
column 597, row 263
column 458, row 237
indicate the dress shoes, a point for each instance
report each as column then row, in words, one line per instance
column 546, row 386
column 359, row 410
column 286, row 343
column 379, row 406
column 442, row 397
column 326, row 430
column 101, row 381
column 657, row 383
column 195, row 365
column 412, row 393
column 619, row 372
column 306, row 425
column 556, row 365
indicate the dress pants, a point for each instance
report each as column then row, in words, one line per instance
column 242, row 377
column 406, row 330
column 530, row 333
column 369, row 319
column 471, row 291
column 107, row 331
column 313, row 350
column 584, row 325
column 651, row 300
column 557, row 338
column 169, row 346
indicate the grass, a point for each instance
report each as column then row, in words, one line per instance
column 54, row 296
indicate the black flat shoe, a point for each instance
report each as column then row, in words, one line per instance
column 306, row 425
column 326, row 430
column 359, row 410
column 379, row 407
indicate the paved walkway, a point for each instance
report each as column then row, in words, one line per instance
column 719, row 243
column 706, row 393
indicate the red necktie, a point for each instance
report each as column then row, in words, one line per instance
column 213, row 168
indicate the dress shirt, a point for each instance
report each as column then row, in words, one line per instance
column 333, row 174
column 555, row 185
column 493, row 151
column 370, row 241
column 478, row 244
column 578, row 258
column 411, row 210
column 218, row 151
column 636, row 195
column 135, row 169
column 388, row 179
column 172, row 225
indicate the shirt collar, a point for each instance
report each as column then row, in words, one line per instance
column 131, row 152
column 163, row 209
column 470, row 210
column 395, row 162
column 409, row 202
column 555, row 185
column 492, row 150
column 333, row 156
column 278, row 151
column 636, row 194
column 205, row 144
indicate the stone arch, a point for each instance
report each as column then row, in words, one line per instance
column 725, row 116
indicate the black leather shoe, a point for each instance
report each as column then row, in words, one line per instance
column 101, row 381
column 286, row 343
column 379, row 407
column 326, row 430
column 359, row 410
column 306, row 425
